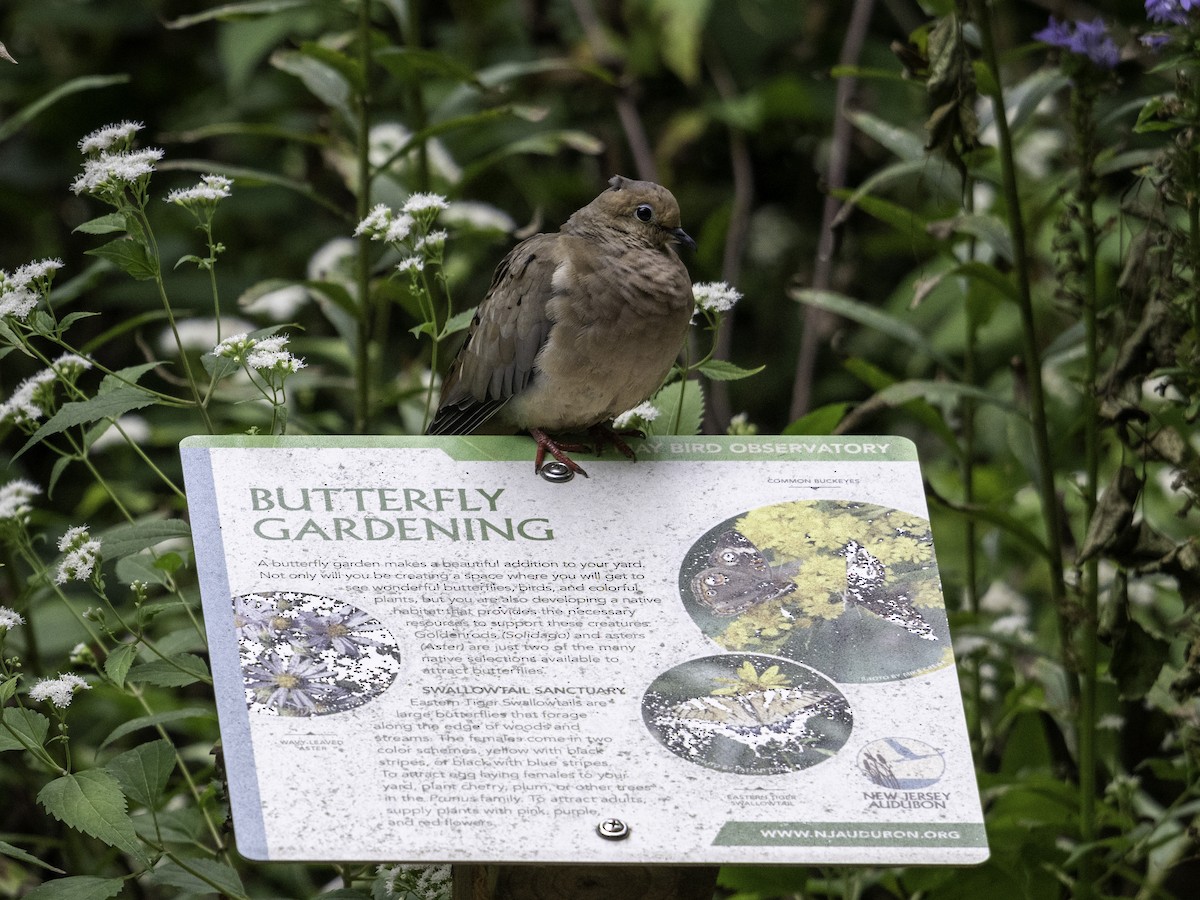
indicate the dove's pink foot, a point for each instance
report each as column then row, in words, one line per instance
column 547, row 444
column 604, row 434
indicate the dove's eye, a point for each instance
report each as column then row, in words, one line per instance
column 644, row 213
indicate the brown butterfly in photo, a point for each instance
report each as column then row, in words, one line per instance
column 865, row 587
column 738, row 577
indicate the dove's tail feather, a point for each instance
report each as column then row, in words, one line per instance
column 464, row 418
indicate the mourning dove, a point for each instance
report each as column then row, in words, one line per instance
column 577, row 326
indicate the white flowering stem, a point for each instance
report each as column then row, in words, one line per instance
column 429, row 311
column 138, row 215
column 72, row 389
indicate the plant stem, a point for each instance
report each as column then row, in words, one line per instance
column 362, row 352
column 1084, row 103
column 152, row 246
column 1033, row 365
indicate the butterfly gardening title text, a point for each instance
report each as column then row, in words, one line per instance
column 369, row 514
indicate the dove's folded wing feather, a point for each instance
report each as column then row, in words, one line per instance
column 497, row 359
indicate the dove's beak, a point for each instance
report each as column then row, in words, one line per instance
column 682, row 237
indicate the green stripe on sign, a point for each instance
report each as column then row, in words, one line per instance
column 851, row 834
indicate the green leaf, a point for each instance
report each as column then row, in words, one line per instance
column 935, row 177
column 722, row 370
column 60, row 466
column 323, row 81
column 875, row 318
column 7, row 849
column 674, row 418
column 108, row 224
column 990, row 229
column 916, row 389
column 232, row 12
column 682, row 23
column 904, row 143
column 344, row 65
column 917, row 407
column 822, row 420
column 1137, row 659
column 123, row 540
column 79, row 412
column 458, row 322
column 22, row 728
column 904, row 219
column 118, row 661
column 27, row 114
column 247, row 178
column 205, row 876
column 415, row 62
column 92, row 802
column 143, row 771
column 175, row 671
column 163, row 718
column 140, row 567
column 77, row 887
column 125, row 377
column 129, row 256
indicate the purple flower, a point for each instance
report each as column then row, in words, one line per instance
column 1056, row 33
column 338, row 632
column 1087, row 39
column 1171, row 12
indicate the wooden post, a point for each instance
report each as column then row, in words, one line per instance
column 598, row 882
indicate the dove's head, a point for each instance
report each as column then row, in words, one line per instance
column 643, row 210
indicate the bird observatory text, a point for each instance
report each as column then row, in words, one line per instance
column 368, row 514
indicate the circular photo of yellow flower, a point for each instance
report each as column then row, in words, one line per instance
column 747, row 714
column 851, row 589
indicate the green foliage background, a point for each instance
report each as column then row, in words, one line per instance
column 1062, row 492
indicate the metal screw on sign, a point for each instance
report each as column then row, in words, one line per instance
column 556, row 472
column 612, row 829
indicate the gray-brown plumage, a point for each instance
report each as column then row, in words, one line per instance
column 578, row 326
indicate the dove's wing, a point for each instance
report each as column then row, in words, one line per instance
column 509, row 328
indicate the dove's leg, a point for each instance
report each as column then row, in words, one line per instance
column 558, row 451
column 604, row 434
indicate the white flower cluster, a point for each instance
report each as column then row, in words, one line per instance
column 104, row 139
column 15, row 497
column 267, row 355
column 10, row 618
column 110, row 164
column 210, row 189
column 82, row 553
column 59, row 691
column 715, row 296
column 383, row 224
column 32, row 396
column 28, row 401
column 642, row 414
column 408, row 230
column 21, row 290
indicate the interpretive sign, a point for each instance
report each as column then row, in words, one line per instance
column 733, row 650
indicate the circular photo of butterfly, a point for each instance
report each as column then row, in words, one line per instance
column 851, row 589
column 311, row 655
column 747, row 714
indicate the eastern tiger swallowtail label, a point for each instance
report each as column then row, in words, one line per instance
column 738, row 577
column 866, row 587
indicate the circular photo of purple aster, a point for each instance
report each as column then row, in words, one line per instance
column 311, row 655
